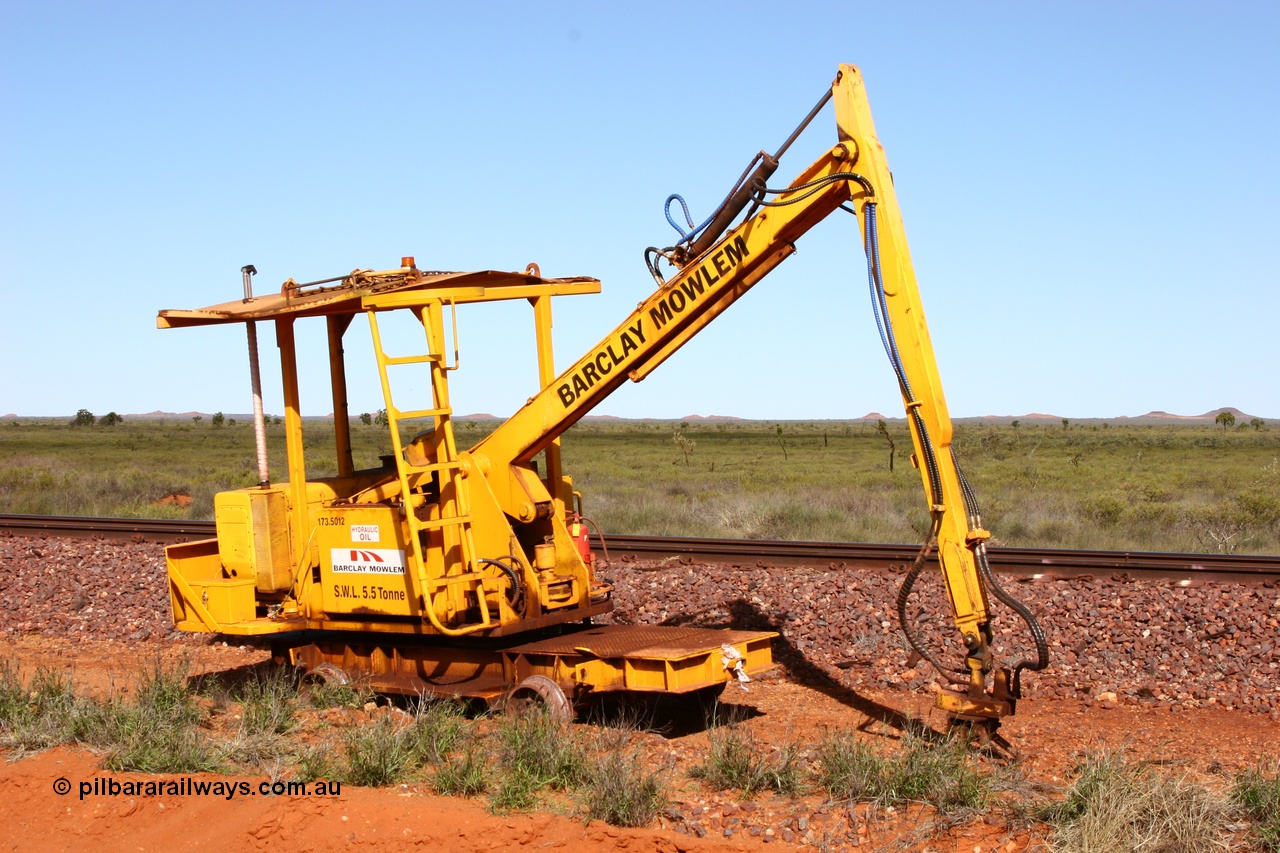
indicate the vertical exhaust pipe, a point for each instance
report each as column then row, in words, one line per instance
column 248, row 271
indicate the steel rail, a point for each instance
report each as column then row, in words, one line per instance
column 657, row 552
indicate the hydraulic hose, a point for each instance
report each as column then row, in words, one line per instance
column 989, row 580
column 515, row 592
column 904, row 593
column 810, row 188
column 885, row 326
column 687, row 238
column 986, row 576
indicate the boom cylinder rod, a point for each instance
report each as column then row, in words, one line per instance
column 255, row 380
column 822, row 102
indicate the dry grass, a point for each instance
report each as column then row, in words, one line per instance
column 1118, row 805
column 1256, row 793
column 737, row 761
column 1182, row 488
column 608, row 773
column 944, row 775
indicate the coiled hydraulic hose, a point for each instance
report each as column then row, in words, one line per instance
column 904, row 593
column 687, row 237
column 515, row 589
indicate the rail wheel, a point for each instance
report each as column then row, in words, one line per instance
column 322, row 676
column 539, row 693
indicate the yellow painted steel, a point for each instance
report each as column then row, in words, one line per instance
column 862, row 149
column 709, row 283
column 459, row 670
column 449, row 542
column 460, row 584
column 253, row 536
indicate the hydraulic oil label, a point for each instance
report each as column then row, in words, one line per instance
column 365, row 533
column 367, row 561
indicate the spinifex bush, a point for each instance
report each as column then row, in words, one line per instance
column 1115, row 804
column 378, row 754
column 1257, row 793
column 464, row 772
column 158, row 732
column 618, row 789
column 537, row 746
column 15, row 701
column 396, row 746
column 438, row 726
column 45, row 713
column 736, row 761
column 268, row 700
column 944, row 775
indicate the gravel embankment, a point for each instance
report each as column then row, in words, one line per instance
column 1110, row 640
column 1141, row 641
column 84, row 588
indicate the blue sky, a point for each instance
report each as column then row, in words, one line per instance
column 1090, row 193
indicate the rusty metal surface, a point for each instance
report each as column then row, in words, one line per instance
column 307, row 299
column 411, row 669
column 640, row 641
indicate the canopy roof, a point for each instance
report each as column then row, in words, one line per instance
column 369, row 290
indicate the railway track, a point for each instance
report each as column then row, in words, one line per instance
column 664, row 552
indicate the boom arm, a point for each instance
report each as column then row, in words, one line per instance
column 853, row 171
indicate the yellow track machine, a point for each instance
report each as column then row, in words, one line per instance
column 467, row 571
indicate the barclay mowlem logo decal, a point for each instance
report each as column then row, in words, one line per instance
column 367, row 561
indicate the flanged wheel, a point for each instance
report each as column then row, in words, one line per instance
column 320, row 677
column 537, row 693
column 328, row 674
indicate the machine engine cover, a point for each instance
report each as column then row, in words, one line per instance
column 253, row 536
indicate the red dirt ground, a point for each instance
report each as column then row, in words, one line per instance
column 1210, row 745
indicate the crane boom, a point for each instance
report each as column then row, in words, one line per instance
column 436, row 544
column 854, row 171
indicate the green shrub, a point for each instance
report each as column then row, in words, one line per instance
column 940, row 774
column 267, row 702
column 517, row 791
column 464, row 773
column 1257, row 794
column 736, row 761
column 15, row 702
column 1117, row 805
column 376, row 755
column 620, row 791
column 1104, row 510
column 316, row 762
column 159, row 732
column 848, row 769
column 536, row 746
column 39, row 716
column 438, row 726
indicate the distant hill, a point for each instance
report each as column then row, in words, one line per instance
column 710, row 418
column 1151, row 418
column 159, row 415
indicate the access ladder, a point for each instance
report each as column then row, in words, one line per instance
column 462, row 578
